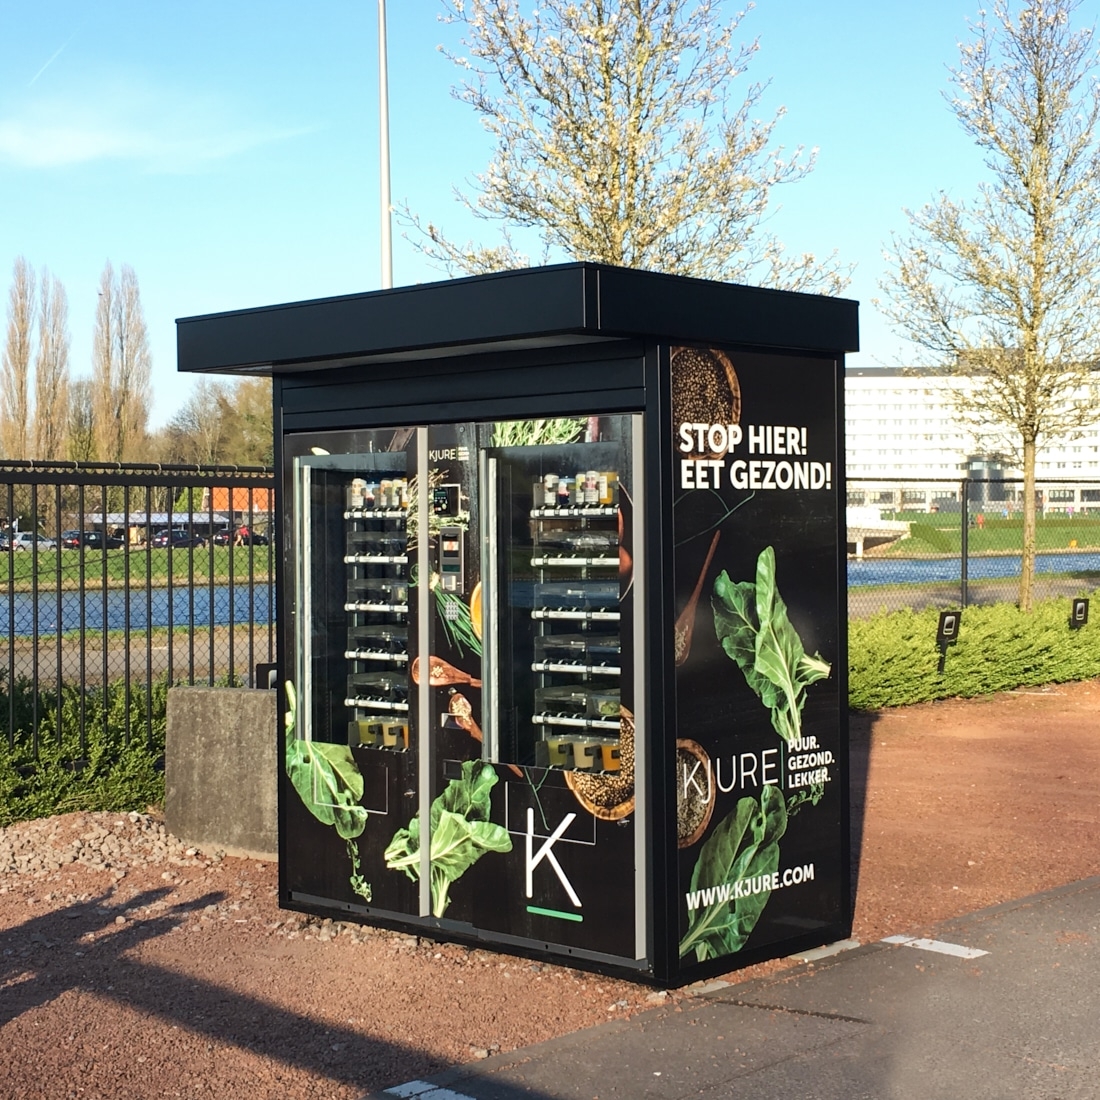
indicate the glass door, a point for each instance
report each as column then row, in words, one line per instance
column 466, row 731
column 353, row 728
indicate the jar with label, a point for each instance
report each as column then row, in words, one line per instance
column 578, row 493
column 591, row 488
column 565, row 492
column 550, row 491
column 357, row 491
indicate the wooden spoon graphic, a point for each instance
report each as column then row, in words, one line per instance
column 685, row 624
column 442, row 674
column 460, row 709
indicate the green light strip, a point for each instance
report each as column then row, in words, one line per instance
column 554, row 913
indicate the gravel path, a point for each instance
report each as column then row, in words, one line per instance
column 133, row 967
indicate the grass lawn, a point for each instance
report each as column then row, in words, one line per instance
column 940, row 534
column 90, row 568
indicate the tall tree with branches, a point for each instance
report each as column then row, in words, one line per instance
column 618, row 141
column 1003, row 292
column 81, row 423
column 121, row 366
column 51, row 371
column 17, row 363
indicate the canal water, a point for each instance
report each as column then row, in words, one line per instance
column 873, row 571
column 96, row 611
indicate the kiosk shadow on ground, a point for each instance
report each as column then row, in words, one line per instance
column 80, row 947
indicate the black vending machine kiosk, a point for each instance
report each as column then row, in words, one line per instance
column 562, row 612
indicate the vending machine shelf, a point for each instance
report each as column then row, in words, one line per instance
column 578, row 669
column 576, row 616
column 575, row 563
column 376, row 513
column 376, row 655
column 596, row 511
column 387, row 608
column 375, row 559
column 375, row 704
column 575, row 722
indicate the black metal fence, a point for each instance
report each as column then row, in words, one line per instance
column 117, row 580
column 953, row 543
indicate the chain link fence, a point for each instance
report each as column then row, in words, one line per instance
column 956, row 543
column 114, row 578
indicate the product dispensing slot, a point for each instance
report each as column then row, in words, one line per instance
column 377, row 643
column 585, row 654
column 375, row 548
column 374, row 594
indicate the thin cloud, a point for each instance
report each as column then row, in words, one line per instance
column 160, row 132
column 53, row 57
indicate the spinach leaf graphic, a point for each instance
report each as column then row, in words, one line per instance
column 751, row 622
column 330, row 785
column 739, row 853
column 461, row 833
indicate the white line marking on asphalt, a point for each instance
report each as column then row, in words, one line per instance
column 827, row 951
column 939, row 946
column 425, row 1090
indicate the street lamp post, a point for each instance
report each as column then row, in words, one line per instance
column 384, row 151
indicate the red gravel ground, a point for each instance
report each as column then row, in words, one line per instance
column 183, row 979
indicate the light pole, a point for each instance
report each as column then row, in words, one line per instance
column 384, row 151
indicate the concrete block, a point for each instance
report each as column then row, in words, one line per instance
column 221, row 771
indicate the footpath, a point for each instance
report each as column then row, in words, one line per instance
column 1001, row 1003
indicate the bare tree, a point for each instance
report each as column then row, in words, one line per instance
column 1003, row 292
column 221, row 423
column 81, row 426
column 121, row 365
column 254, row 443
column 197, row 432
column 15, row 383
column 51, row 371
column 617, row 141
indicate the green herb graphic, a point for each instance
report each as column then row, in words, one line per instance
column 752, row 625
column 461, row 833
column 744, row 847
column 329, row 783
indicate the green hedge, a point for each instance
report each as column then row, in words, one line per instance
column 893, row 657
column 109, row 771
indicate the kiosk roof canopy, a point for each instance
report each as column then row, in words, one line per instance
column 539, row 307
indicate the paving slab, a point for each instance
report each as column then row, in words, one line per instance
column 928, row 1019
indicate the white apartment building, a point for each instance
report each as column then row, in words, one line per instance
column 899, row 424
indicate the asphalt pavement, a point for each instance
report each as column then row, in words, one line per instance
column 998, row 1004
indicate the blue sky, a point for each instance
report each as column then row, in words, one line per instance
column 229, row 151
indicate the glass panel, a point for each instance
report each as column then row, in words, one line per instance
column 558, row 531
column 353, row 590
column 352, row 764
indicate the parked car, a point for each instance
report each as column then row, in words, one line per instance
column 29, row 540
column 4, row 543
column 176, row 537
column 73, row 540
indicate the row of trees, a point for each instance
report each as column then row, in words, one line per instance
column 45, row 413
column 618, row 139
